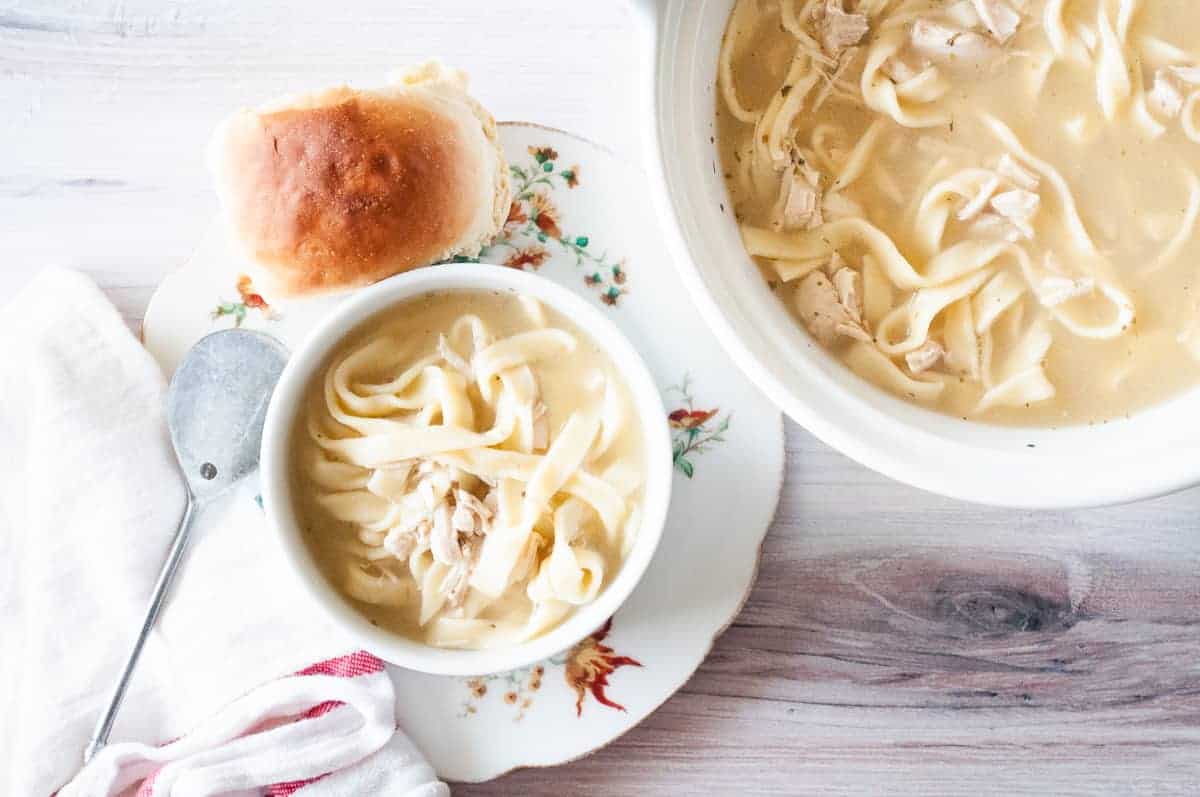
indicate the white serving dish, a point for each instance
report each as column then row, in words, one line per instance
column 1152, row 453
column 312, row 355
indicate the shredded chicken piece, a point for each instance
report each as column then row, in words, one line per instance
column 457, row 583
column 470, row 514
column 998, row 17
column 837, row 29
column 848, row 284
column 963, row 14
column 1171, row 87
column 1054, row 290
column 823, row 312
column 978, row 202
column 426, row 493
column 423, row 530
column 1166, row 97
column 944, row 42
column 800, row 199
column 451, row 528
column 433, row 484
column 464, row 521
column 443, row 539
column 474, row 504
column 992, row 225
column 927, row 356
column 1018, row 207
column 403, row 539
column 1008, row 168
column 1006, row 213
column 400, row 543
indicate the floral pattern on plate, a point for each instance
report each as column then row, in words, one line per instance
column 251, row 301
column 535, row 221
column 585, row 669
column 590, row 663
column 693, row 589
column 693, row 431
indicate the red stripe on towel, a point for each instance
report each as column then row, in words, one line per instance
column 351, row 665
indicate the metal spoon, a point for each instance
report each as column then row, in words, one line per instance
column 216, row 405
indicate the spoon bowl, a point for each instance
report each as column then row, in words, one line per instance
column 216, row 406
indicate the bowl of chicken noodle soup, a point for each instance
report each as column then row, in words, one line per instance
column 469, row 467
column 956, row 239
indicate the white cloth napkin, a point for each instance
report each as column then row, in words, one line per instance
column 90, row 496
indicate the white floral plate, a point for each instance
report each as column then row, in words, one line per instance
column 582, row 218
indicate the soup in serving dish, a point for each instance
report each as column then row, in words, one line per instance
column 469, row 469
column 987, row 207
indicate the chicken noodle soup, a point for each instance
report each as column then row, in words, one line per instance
column 470, row 469
column 985, row 206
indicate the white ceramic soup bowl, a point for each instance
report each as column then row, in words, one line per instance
column 1154, row 452
column 309, row 361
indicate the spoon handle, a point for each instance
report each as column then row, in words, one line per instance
column 104, row 726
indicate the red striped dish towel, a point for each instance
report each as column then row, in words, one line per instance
column 226, row 698
column 346, row 744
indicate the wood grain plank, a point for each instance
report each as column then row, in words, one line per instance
column 900, row 643
column 706, row 744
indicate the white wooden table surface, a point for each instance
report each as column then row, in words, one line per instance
column 895, row 643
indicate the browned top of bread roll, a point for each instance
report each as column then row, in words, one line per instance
column 345, row 187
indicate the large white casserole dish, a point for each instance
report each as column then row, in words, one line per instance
column 1154, row 452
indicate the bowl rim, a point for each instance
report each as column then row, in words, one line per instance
column 285, row 405
column 938, row 454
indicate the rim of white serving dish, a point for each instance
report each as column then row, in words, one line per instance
column 1150, row 454
column 287, row 402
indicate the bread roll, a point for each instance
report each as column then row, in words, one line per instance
column 344, row 187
